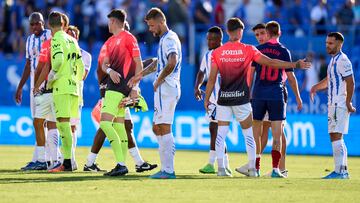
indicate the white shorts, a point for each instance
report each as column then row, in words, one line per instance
column 44, row 107
column 225, row 113
column 338, row 120
column 32, row 104
column 211, row 113
column 165, row 100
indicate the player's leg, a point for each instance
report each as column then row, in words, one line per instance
column 259, row 111
column 112, row 130
column 39, row 121
column 165, row 100
column 97, row 143
column 140, row 164
column 244, row 116
column 283, row 154
column 338, row 126
column 213, row 127
column 64, row 105
column 277, row 115
column 265, row 134
column 224, row 116
column 52, row 142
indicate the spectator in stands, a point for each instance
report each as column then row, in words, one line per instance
column 275, row 10
column 345, row 17
column 178, row 17
column 251, row 12
column 311, row 74
column 103, row 8
column 297, row 14
column 219, row 13
column 319, row 17
column 202, row 15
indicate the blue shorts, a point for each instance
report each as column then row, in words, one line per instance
column 275, row 108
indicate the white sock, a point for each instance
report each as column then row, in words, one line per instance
column 35, row 154
column 161, row 151
column 338, row 152
column 41, row 153
column 74, row 142
column 212, row 157
column 52, row 144
column 226, row 161
column 345, row 157
column 169, row 149
column 91, row 159
column 220, row 145
column 135, row 154
column 250, row 146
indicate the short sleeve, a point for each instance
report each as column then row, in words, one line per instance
column 44, row 52
column 132, row 46
column 204, row 62
column 170, row 46
column 27, row 49
column 86, row 57
column 345, row 67
column 287, row 57
column 214, row 60
column 256, row 54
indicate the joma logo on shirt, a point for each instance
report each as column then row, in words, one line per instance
column 231, row 52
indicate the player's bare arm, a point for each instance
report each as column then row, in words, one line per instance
column 169, row 68
column 38, row 71
column 251, row 79
column 139, row 67
column 295, row 88
column 198, row 82
column 323, row 84
column 210, row 85
column 115, row 76
column 150, row 67
column 24, row 77
column 350, row 85
column 279, row 64
column 43, row 70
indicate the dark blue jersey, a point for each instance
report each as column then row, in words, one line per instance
column 269, row 82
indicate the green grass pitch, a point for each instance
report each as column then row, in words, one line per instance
column 303, row 185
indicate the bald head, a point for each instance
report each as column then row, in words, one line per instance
column 36, row 22
column 36, row 17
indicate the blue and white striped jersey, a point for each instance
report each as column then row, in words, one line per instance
column 339, row 68
column 169, row 43
column 205, row 67
column 33, row 48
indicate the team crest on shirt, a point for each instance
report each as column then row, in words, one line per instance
column 118, row 41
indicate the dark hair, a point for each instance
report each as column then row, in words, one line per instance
column 216, row 30
column 273, row 28
column 234, row 24
column 119, row 14
column 337, row 36
column 36, row 16
column 258, row 26
column 155, row 13
column 55, row 19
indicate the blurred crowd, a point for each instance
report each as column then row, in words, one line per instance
column 185, row 17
